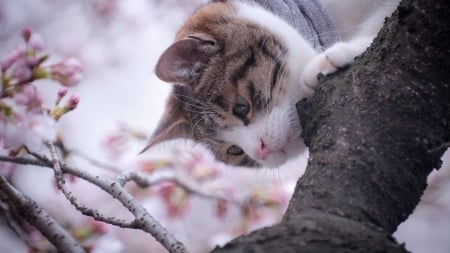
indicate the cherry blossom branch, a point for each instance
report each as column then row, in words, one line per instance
column 60, row 182
column 22, row 161
column 92, row 161
column 115, row 187
column 45, row 162
column 141, row 179
column 143, row 220
column 13, row 221
column 144, row 181
column 39, row 218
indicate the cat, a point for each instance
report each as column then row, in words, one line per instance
column 239, row 68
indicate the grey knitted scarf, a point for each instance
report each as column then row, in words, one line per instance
column 309, row 17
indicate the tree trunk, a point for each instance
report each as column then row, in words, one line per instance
column 375, row 131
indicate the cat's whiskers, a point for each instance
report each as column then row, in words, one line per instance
column 200, row 109
column 192, row 103
column 278, row 93
column 255, row 64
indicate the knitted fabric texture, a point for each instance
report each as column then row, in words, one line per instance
column 308, row 17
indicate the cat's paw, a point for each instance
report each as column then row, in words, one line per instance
column 320, row 64
column 337, row 56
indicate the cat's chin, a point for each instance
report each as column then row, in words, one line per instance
column 274, row 160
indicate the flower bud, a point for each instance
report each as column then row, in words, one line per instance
column 67, row 72
column 36, row 42
column 9, row 60
column 26, row 33
column 61, row 93
column 73, row 65
column 22, row 73
column 73, row 102
column 12, row 57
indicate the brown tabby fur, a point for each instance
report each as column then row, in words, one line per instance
column 238, row 71
column 239, row 56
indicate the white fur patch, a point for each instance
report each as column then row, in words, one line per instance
column 300, row 52
column 279, row 130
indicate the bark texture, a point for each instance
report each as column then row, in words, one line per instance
column 375, row 131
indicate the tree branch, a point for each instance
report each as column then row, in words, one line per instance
column 141, row 179
column 39, row 218
column 143, row 220
column 369, row 129
column 115, row 188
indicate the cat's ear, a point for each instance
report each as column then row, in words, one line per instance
column 174, row 123
column 169, row 131
column 184, row 60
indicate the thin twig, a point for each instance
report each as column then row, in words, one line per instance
column 143, row 219
column 60, row 182
column 439, row 148
column 114, row 187
column 23, row 161
column 144, row 181
column 92, row 161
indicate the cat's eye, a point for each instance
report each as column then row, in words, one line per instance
column 241, row 107
column 235, row 150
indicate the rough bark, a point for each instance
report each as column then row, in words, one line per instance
column 374, row 132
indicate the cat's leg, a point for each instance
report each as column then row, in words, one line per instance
column 336, row 56
column 343, row 53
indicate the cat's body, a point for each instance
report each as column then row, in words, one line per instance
column 239, row 70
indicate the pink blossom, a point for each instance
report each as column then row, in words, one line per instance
column 29, row 97
column 98, row 227
column 39, row 129
column 175, row 199
column 61, row 93
column 12, row 57
column 153, row 165
column 115, row 144
column 67, row 72
column 11, row 134
column 32, row 61
column 222, row 207
column 22, row 73
column 73, row 80
column 23, row 120
column 9, row 60
column 25, row 128
column 21, row 51
column 26, row 33
column 73, row 102
column 36, row 42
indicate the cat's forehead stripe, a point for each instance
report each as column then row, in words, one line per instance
column 220, row 101
column 242, row 71
column 255, row 96
column 275, row 75
column 263, row 44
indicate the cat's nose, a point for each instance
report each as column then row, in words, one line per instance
column 263, row 151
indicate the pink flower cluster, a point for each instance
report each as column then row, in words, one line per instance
column 24, row 120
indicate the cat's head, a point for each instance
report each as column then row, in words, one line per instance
column 236, row 85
